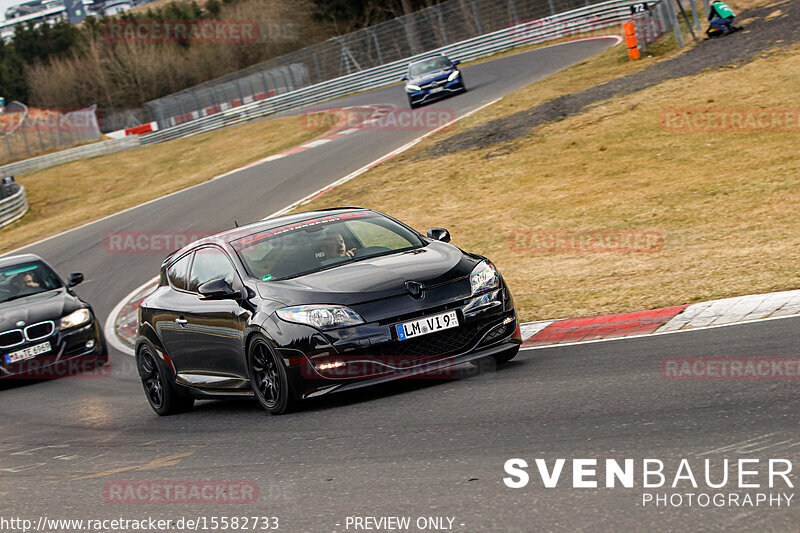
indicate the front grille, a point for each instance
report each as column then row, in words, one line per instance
column 445, row 342
column 11, row 338
column 39, row 331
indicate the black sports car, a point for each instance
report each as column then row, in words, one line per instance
column 433, row 78
column 308, row 304
column 46, row 330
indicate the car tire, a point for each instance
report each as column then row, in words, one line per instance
column 158, row 388
column 268, row 377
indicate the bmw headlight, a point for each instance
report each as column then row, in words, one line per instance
column 453, row 75
column 484, row 276
column 321, row 316
column 410, row 87
column 75, row 319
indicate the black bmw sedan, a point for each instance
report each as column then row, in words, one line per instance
column 46, row 330
column 313, row 303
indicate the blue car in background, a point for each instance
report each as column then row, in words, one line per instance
column 432, row 78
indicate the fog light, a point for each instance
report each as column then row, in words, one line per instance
column 90, row 344
column 508, row 320
column 330, row 366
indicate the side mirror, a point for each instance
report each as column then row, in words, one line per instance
column 218, row 289
column 75, row 278
column 404, row 78
column 439, row 234
column 456, row 62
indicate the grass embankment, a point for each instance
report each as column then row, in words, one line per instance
column 724, row 201
column 72, row 194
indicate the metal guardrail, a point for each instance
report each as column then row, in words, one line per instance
column 72, row 154
column 13, row 207
column 581, row 20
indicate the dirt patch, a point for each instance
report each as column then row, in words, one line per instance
column 762, row 33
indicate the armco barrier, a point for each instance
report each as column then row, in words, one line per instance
column 581, row 20
column 13, row 207
column 593, row 17
column 72, row 154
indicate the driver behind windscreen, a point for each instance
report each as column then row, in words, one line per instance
column 335, row 246
column 26, row 284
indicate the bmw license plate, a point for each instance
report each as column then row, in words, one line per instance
column 27, row 353
column 429, row 324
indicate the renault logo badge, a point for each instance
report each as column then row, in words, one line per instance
column 414, row 288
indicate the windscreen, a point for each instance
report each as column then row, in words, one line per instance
column 428, row 66
column 321, row 243
column 25, row 279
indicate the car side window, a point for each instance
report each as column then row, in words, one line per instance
column 178, row 273
column 210, row 264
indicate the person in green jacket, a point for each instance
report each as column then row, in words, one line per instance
column 721, row 17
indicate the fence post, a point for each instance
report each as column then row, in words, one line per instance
column 442, row 25
column 512, row 11
column 8, row 145
column 673, row 19
column 477, row 17
column 39, row 135
column 696, row 16
column 686, row 18
column 375, row 42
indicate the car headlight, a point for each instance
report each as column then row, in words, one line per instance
column 75, row 319
column 410, row 87
column 484, row 276
column 321, row 316
column 453, row 76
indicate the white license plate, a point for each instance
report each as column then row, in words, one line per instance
column 428, row 324
column 28, row 353
column 437, row 90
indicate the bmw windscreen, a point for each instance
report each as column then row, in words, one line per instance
column 26, row 279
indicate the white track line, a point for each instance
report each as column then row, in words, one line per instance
column 109, row 326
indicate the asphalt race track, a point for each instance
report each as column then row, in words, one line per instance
column 422, row 448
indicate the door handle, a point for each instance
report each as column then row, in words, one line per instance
column 181, row 321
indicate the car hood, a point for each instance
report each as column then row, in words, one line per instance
column 50, row 305
column 374, row 279
column 432, row 76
